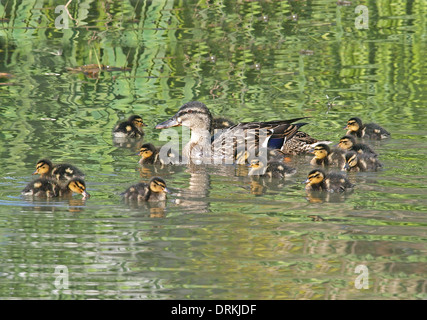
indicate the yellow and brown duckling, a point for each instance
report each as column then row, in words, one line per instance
column 61, row 172
column 361, row 162
column 152, row 155
column 271, row 169
column 324, row 156
column 349, row 143
column 154, row 190
column 48, row 188
column 318, row 180
column 358, row 129
column 132, row 128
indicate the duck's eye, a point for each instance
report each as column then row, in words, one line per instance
column 190, row 111
column 179, row 119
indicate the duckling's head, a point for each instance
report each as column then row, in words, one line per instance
column 43, row 167
column 256, row 164
column 147, row 150
column 194, row 115
column 77, row 185
column 347, row 142
column 137, row 121
column 315, row 177
column 158, row 185
column 353, row 124
column 351, row 160
column 321, row 151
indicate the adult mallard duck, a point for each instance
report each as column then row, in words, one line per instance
column 152, row 155
column 318, row 180
column 132, row 128
column 48, row 188
column 223, row 145
column 63, row 172
column 361, row 162
column 324, row 156
column 154, row 190
column 358, row 129
column 348, row 143
column 271, row 169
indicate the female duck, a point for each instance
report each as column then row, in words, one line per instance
column 48, row 188
column 371, row 130
column 154, row 190
column 273, row 169
column 317, row 180
column 60, row 172
column 361, row 162
column 348, row 143
column 324, row 156
column 132, row 128
column 223, row 145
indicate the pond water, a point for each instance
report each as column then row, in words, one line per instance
column 220, row 235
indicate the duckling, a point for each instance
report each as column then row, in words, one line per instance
column 361, row 162
column 48, row 188
column 349, row 143
column 324, row 156
column 154, row 190
column 61, row 172
column 132, row 128
column 152, row 155
column 370, row 130
column 273, row 169
column 317, row 180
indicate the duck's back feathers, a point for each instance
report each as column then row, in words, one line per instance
column 375, row 131
column 66, row 172
column 139, row 191
column 337, row 182
column 42, row 187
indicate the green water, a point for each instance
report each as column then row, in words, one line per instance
column 220, row 235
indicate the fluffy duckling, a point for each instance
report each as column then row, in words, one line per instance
column 60, row 172
column 154, row 190
column 48, row 188
column 370, row 130
column 324, row 156
column 361, row 162
column 348, row 143
column 273, row 169
column 317, row 180
column 132, row 128
column 152, row 155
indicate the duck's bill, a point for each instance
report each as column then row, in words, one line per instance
column 306, row 181
column 85, row 195
column 35, row 172
column 172, row 122
column 166, row 190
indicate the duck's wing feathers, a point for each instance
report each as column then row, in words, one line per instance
column 255, row 134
